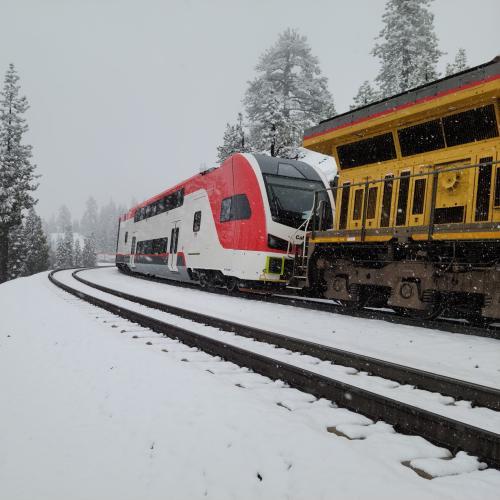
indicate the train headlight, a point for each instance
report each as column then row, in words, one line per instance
column 275, row 265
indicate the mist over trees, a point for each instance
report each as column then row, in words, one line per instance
column 17, row 175
column 458, row 64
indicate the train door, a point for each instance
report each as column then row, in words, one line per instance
column 174, row 240
column 132, row 252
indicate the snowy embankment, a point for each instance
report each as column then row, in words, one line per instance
column 475, row 359
column 94, row 407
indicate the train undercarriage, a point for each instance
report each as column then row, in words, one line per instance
column 415, row 279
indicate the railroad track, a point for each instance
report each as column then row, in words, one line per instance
column 406, row 418
column 443, row 324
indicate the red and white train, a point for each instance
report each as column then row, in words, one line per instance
column 229, row 226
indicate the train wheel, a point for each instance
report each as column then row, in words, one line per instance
column 232, row 285
column 203, row 280
column 431, row 312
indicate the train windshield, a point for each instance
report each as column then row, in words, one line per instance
column 291, row 199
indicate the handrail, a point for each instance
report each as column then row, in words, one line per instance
column 435, row 172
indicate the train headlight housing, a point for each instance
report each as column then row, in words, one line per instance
column 277, row 243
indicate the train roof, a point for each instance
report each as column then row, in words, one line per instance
column 267, row 165
column 464, row 79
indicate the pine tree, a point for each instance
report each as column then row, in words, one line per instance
column 89, row 256
column 17, row 252
column 408, row 48
column 366, row 95
column 17, row 177
column 77, row 254
column 233, row 141
column 459, row 64
column 288, row 95
column 35, row 243
column 64, row 250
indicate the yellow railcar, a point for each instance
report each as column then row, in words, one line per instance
column 417, row 219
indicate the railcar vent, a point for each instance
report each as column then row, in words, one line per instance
column 449, row 215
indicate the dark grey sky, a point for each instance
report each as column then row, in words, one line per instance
column 128, row 97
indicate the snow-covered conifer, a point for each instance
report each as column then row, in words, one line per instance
column 77, row 254
column 366, row 94
column 89, row 256
column 35, row 244
column 64, row 249
column 459, row 63
column 288, row 95
column 408, row 46
column 233, row 141
column 17, row 177
column 17, row 252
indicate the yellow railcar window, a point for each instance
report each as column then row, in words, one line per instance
column 344, row 205
column 473, row 125
column 483, row 189
column 497, row 188
column 421, row 138
column 372, row 150
column 404, row 186
column 385, row 216
column 418, row 197
column 358, row 204
column 372, row 203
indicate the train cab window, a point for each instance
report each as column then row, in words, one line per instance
column 418, row 197
column 126, row 237
column 358, row 204
column 235, row 207
column 344, row 204
column 197, row 221
column 385, row 216
column 161, row 206
column 372, row 202
column 404, row 186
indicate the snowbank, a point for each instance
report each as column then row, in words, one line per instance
column 90, row 412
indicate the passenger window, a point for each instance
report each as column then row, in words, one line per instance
column 236, row 207
column 197, row 221
column 418, row 197
column 126, row 237
column 372, row 203
column 358, row 204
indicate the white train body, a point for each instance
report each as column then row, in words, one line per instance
column 227, row 226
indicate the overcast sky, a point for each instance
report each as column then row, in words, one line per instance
column 129, row 97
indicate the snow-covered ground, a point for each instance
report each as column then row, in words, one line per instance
column 95, row 407
column 466, row 357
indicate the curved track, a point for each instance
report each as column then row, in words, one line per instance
column 406, row 418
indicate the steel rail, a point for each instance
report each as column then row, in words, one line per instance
column 487, row 397
column 405, row 418
column 443, row 324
